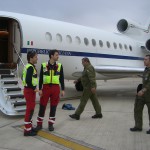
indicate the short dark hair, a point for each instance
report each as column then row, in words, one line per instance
column 52, row 52
column 31, row 54
column 85, row 59
column 148, row 56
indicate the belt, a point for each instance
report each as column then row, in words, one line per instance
column 51, row 84
column 29, row 87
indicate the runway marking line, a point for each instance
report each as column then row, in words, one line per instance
column 62, row 141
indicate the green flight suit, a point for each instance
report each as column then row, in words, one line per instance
column 140, row 101
column 88, row 81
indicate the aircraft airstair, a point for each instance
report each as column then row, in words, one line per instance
column 12, row 100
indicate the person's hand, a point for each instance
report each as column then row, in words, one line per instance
column 75, row 81
column 93, row 90
column 140, row 93
column 40, row 93
column 36, row 90
column 62, row 93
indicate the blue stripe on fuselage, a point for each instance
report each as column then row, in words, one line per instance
column 81, row 54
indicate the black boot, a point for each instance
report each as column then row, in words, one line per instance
column 97, row 116
column 75, row 116
column 148, row 132
column 37, row 128
column 50, row 127
column 30, row 133
column 34, row 129
column 135, row 129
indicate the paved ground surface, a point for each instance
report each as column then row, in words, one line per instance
column 110, row 133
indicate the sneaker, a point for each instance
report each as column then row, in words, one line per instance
column 75, row 116
column 97, row 116
column 31, row 133
column 50, row 127
column 148, row 132
column 37, row 128
column 134, row 129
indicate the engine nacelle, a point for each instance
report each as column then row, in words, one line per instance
column 128, row 26
column 147, row 44
column 136, row 31
column 122, row 25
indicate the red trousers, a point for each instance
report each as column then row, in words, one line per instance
column 49, row 92
column 30, row 96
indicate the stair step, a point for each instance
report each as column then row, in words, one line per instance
column 10, row 82
column 12, row 89
column 20, row 109
column 7, row 76
column 5, row 71
column 19, row 104
column 12, row 101
column 16, row 96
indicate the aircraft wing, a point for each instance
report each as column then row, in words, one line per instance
column 114, row 72
column 118, row 71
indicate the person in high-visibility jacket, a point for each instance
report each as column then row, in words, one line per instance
column 51, row 76
column 30, row 81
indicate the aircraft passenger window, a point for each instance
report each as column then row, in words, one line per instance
column 125, row 46
column 93, row 42
column 59, row 37
column 115, row 45
column 130, row 47
column 77, row 40
column 68, row 39
column 100, row 43
column 108, row 44
column 120, row 45
column 86, row 41
column 48, row 36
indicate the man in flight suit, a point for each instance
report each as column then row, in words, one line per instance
column 142, row 98
column 51, row 75
column 88, row 80
column 30, row 82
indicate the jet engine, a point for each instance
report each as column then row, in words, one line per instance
column 136, row 31
column 122, row 25
column 128, row 26
column 147, row 45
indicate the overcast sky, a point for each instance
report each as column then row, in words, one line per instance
column 103, row 14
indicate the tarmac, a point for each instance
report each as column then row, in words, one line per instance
column 109, row 133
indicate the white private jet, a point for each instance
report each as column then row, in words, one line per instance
column 114, row 55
